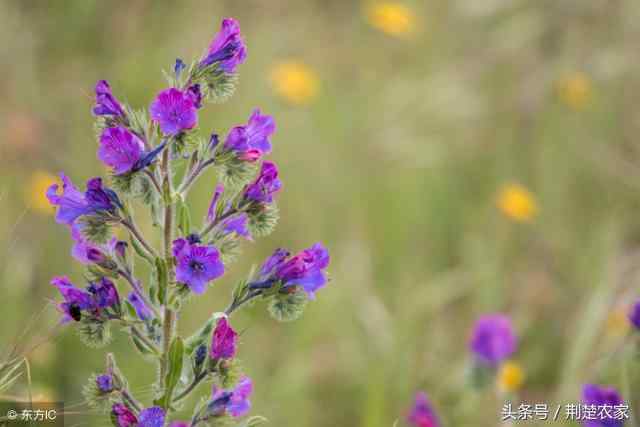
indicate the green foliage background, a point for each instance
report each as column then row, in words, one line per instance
column 395, row 166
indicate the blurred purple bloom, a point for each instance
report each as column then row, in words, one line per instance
column 106, row 103
column 278, row 257
column 122, row 416
column 174, row 111
column 237, row 224
column 265, row 186
column 602, row 398
column 196, row 265
column 120, row 149
column 142, row 310
column 493, row 339
column 194, row 93
column 152, row 417
column 227, row 48
column 305, row 269
column 178, row 67
column 74, row 300
column 214, row 140
column 223, row 341
column 104, row 383
column 422, row 414
column 634, row 315
column 211, row 213
column 251, row 141
column 72, row 203
column 105, row 293
column 88, row 252
column 234, row 402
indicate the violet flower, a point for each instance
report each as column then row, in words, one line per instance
column 194, row 93
column 493, row 339
column 106, row 103
column 142, row 310
column 174, row 111
column 605, row 399
column 223, row 341
column 252, row 141
column 422, row 413
column 634, row 315
column 104, row 383
column 75, row 300
column 211, row 212
column 238, row 224
column 227, row 48
column 265, row 185
column 196, row 265
column 73, row 204
column 152, row 417
column 234, row 402
column 120, row 149
column 104, row 292
column 88, row 252
column 122, row 416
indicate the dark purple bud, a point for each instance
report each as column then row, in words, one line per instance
column 194, row 93
column 223, row 341
column 121, row 249
column 213, row 141
column 178, row 67
column 105, row 383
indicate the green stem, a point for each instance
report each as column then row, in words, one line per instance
column 197, row 380
column 131, row 226
column 236, row 304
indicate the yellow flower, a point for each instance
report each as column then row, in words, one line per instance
column 35, row 194
column 575, row 90
column 294, row 81
column 517, row 203
column 392, row 18
column 618, row 322
column 510, row 376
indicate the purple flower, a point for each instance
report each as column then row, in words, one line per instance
column 422, row 414
column 237, row 224
column 278, row 257
column 223, row 341
column 234, row 402
column 196, row 265
column 305, row 269
column 265, row 185
column 142, row 310
column 194, row 93
column 634, row 315
column 178, row 67
column 174, row 111
column 106, row 103
column 91, row 253
column 493, row 339
column 250, row 142
column 122, row 416
column 211, row 213
column 152, row 417
column 104, row 383
column 605, row 399
column 227, row 48
column 104, row 292
column 72, row 203
column 75, row 300
column 120, row 149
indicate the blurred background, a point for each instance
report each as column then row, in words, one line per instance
column 457, row 157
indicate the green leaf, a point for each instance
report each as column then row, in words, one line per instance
column 175, row 361
column 184, row 218
column 162, row 278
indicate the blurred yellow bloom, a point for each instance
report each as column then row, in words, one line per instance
column 35, row 192
column 510, row 376
column 517, row 203
column 296, row 82
column 392, row 18
column 575, row 90
column 618, row 322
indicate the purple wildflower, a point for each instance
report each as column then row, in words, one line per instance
column 251, row 141
column 105, row 293
column 106, row 103
column 152, row 417
column 75, row 300
column 234, row 402
column 178, row 67
column 174, row 110
column 211, row 213
column 493, row 340
column 104, row 383
column 422, row 413
column 223, row 341
column 602, row 397
column 72, row 203
column 194, row 93
column 120, row 149
column 237, row 224
column 278, row 257
column 305, row 269
column 634, row 315
column 142, row 310
column 122, row 416
column 265, row 185
column 88, row 252
column 196, row 265
column 227, row 48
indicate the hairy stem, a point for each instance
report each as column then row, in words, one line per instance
column 131, row 226
column 192, row 175
column 154, row 181
column 197, row 380
column 136, row 287
column 236, row 304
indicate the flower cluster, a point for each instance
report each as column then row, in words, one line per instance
column 142, row 149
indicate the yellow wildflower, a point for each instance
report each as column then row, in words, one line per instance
column 35, row 194
column 392, row 18
column 617, row 324
column 575, row 90
column 510, row 376
column 517, row 203
column 295, row 82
